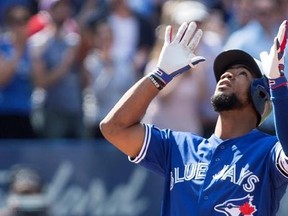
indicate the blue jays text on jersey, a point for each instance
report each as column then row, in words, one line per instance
column 197, row 171
column 240, row 176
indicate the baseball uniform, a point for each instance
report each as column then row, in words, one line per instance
column 246, row 175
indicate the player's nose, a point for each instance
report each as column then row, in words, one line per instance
column 227, row 75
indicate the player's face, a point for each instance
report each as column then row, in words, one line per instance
column 232, row 90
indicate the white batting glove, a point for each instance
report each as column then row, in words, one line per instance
column 177, row 55
column 273, row 63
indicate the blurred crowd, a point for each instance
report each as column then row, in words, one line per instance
column 65, row 63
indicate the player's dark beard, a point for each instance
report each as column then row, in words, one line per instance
column 223, row 102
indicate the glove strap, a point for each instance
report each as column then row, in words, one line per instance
column 278, row 82
column 159, row 78
column 159, row 84
column 162, row 76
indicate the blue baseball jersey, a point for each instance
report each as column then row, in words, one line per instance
column 247, row 175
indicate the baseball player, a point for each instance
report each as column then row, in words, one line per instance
column 239, row 170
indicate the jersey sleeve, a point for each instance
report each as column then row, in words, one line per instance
column 155, row 149
column 280, row 165
column 279, row 96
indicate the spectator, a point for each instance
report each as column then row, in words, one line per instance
column 26, row 194
column 236, row 13
column 110, row 76
column 135, row 34
column 16, row 79
column 89, row 8
column 33, row 7
column 59, row 71
column 241, row 14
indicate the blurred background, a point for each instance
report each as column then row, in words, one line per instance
column 65, row 63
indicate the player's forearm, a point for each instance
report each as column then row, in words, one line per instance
column 122, row 125
column 279, row 97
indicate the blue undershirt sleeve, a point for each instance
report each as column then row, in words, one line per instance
column 279, row 98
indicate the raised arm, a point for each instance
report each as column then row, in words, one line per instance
column 122, row 126
column 273, row 66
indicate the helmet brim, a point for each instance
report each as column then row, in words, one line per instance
column 229, row 58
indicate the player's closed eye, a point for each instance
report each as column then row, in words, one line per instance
column 243, row 73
